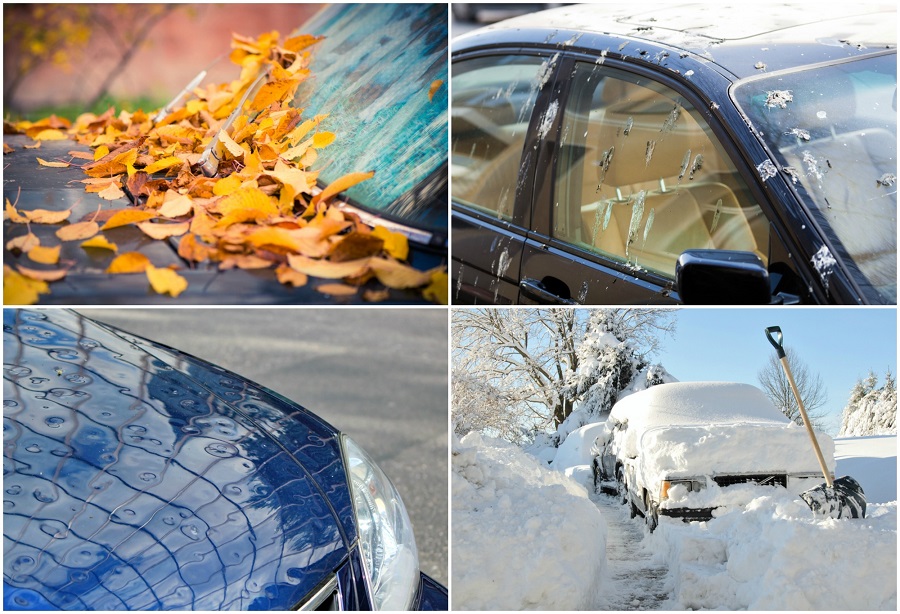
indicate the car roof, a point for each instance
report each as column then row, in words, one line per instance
column 736, row 38
column 696, row 404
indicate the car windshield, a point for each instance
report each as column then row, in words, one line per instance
column 832, row 130
column 380, row 75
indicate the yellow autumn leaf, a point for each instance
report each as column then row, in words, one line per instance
column 129, row 262
column 396, row 244
column 275, row 91
column 274, row 237
column 176, row 205
column 50, row 135
column 128, row 216
column 323, row 139
column 166, row 281
column 163, row 164
column 100, row 242
column 101, row 152
column 43, row 162
column 437, row 290
column 246, row 205
column 226, row 186
column 111, row 192
column 397, row 275
column 233, row 148
column 44, row 255
column 12, row 214
column 163, row 231
column 20, row 290
column 326, row 269
column 340, row 184
column 77, row 231
column 37, row 216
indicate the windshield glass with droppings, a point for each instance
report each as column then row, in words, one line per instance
column 832, row 131
column 381, row 76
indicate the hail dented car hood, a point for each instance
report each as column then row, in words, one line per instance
column 137, row 477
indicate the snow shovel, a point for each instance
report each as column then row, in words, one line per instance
column 840, row 498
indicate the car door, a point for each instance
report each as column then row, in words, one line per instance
column 632, row 177
column 494, row 97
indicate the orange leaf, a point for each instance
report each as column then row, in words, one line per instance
column 289, row 276
column 275, row 91
column 435, row 86
column 24, row 243
column 20, row 290
column 339, row 185
column 43, row 162
column 191, row 249
column 12, row 214
column 44, row 255
column 336, row 289
column 328, row 270
column 163, row 231
column 397, row 275
column 79, row 230
column 128, row 216
column 100, row 242
column 166, row 281
column 42, row 275
column 245, row 205
column 244, row 261
column 129, row 262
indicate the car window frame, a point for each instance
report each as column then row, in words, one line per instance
column 524, row 199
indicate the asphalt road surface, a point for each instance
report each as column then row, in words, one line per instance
column 379, row 375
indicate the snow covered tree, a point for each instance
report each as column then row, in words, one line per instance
column 775, row 383
column 544, row 362
column 871, row 410
column 480, row 406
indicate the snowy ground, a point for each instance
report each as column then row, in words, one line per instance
column 522, row 539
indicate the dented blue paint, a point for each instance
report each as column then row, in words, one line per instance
column 137, row 477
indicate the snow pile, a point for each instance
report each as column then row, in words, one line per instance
column 524, row 537
column 773, row 555
column 871, row 410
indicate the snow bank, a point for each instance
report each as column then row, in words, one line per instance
column 771, row 554
column 524, row 536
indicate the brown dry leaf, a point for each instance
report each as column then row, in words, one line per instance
column 128, row 216
column 112, row 192
column 336, row 289
column 356, row 245
column 78, row 231
column 326, row 269
column 191, row 249
column 129, row 262
column 339, row 185
column 163, row 231
column 44, row 255
column 42, row 275
column 81, row 155
column 20, row 290
column 435, row 86
column 397, row 275
column 376, row 296
column 43, row 162
column 289, row 276
column 166, row 281
column 7, row 149
column 244, row 261
column 100, row 242
column 24, row 243
column 176, row 205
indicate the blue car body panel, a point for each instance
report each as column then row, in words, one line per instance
column 137, row 477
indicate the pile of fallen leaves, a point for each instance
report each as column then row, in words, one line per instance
column 262, row 209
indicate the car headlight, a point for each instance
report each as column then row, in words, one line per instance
column 385, row 533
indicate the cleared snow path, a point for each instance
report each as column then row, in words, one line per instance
column 635, row 580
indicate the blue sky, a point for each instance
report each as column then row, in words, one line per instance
column 729, row 344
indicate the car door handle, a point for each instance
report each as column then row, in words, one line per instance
column 535, row 290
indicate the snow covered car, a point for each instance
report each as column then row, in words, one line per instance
column 631, row 154
column 372, row 74
column 137, row 477
column 683, row 449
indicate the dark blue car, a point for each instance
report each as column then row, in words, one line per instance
column 138, row 477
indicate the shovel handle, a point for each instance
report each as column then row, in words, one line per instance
column 776, row 338
column 773, row 333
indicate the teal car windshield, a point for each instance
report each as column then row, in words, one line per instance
column 381, row 76
column 832, row 131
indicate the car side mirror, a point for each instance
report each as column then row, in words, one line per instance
column 722, row 277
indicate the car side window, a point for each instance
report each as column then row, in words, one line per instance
column 641, row 177
column 492, row 101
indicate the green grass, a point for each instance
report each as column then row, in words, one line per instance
column 72, row 111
